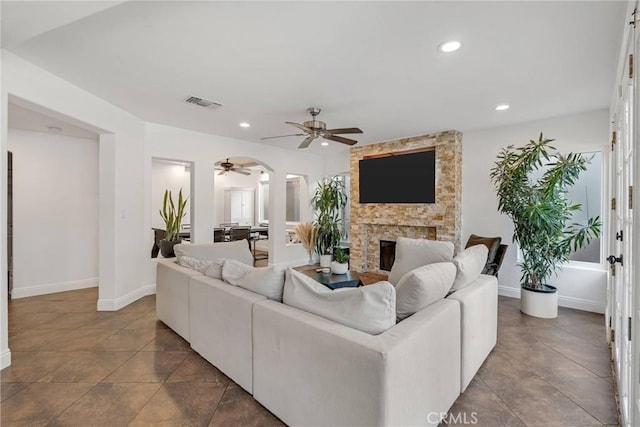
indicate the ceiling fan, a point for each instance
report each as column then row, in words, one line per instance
column 317, row 129
column 227, row 166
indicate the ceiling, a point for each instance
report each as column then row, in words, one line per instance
column 26, row 119
column 373, row 65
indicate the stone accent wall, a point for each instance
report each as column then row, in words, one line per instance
column 372, row 222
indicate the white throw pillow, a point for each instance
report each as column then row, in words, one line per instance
column 414, row 253
column 215, row 269
column 469, row 264
column 194, row 264
column 267, row 281
column 238, row 250
column 422, row 287
column 370, row 309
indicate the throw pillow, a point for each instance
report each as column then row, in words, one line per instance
column 238, row 250
column 422, row 287
column 194, row 264
column 469, row 264
column 267, row 281
column 215, row 269
column 413, row 253
column 492, row 244
column 370, row 309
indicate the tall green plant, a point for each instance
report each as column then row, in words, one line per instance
column 172, row 214
column 539, row 208
column 330, row 197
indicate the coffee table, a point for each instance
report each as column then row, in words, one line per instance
column 350, row 279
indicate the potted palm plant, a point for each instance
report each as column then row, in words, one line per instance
column 330, row 197
column 172, row 215
column 531, row 184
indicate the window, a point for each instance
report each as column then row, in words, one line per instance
column 588, row 192
column 345, row 213
column 292, row 199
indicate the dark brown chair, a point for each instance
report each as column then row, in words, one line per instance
column 218, row 234
column 239, row 233
column 496, row 252
column 158, row 234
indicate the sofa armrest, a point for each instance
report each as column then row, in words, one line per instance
column 479, row 310
column 311, row 371
column 172, row 295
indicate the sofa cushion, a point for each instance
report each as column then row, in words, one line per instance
column 492, row 244
column 238, row 250
column 370, row 309
column 194, row 264
column 469, row 264
column 214, row 270
column 422, row 287
column 267, row 281
column 413, row 253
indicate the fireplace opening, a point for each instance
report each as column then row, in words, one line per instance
column 387, row 254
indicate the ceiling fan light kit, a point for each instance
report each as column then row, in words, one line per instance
column 314, row 129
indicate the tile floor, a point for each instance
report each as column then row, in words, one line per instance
column 73, row 366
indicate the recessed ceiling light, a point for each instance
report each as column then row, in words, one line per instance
column 449, row 46
column 324, row 143
column 245, row 125
column 502, row 107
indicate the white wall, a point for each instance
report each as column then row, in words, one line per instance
column 580, row 286
column 204, row 150
column 55, row 211
column 123, row 237
column 233, row 180
column 173, row 177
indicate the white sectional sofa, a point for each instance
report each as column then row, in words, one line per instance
column 309, row 370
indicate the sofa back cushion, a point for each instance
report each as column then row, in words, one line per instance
column 414, row 253
column 469, row 264
column 422, row 287
column 238, row 250
column 267, row 281
column 370, row 309
column 194, row 264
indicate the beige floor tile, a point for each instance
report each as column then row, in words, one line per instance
column 148, row 366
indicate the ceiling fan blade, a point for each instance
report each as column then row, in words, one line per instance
column 283, row 136
column 344, row 130
column 240, row 171
column 307, row 141
column 299, row 126
column 341, row 139
column 222, row 172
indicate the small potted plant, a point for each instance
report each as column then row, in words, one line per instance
column 541, row 214
column 307, row 235
column 172, row 215
column 340, row 264
column 330, row 197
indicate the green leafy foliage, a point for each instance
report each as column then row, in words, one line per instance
column 539, row 208
column 340, row 256
column 172, row 214
column 330, row 197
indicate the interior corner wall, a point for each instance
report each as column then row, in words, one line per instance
column 121, row 175
column 581, row 286
column 5, row 353
column 55, row 202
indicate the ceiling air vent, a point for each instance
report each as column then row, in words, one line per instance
column 201, row 102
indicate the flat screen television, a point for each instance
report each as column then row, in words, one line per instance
column 399, row 178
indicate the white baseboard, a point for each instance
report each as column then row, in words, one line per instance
column 563, row 301
column 5, row 358
column 116, row 304
column 52, row 288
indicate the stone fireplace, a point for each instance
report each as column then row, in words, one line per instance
column 373, row 222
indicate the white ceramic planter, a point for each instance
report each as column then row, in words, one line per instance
column 543, row 304
column 325, row 260
column 337, row 268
